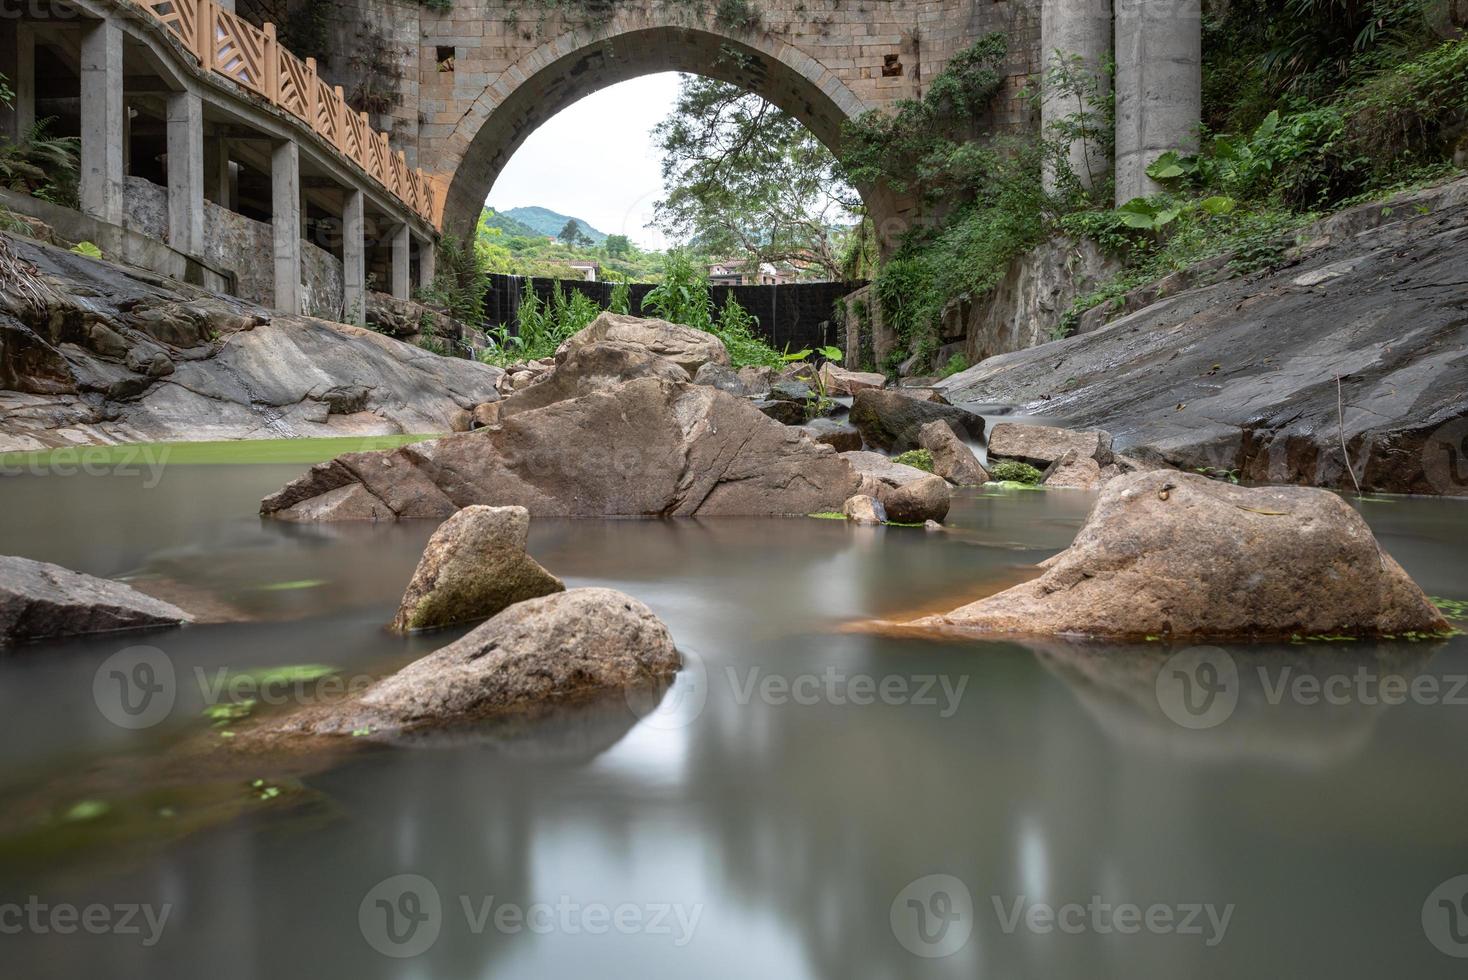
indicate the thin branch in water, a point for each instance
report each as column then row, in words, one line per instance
column 1340, row 417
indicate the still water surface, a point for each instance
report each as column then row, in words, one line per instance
column 766, row 817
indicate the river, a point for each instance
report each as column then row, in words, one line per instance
column 782, row 812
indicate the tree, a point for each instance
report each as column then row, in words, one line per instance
column 618, row 245
column 571, row 234
column 745, row 178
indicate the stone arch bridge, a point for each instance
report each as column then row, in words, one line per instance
column 458, row 90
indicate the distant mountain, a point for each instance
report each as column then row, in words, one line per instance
column 544, row 221
column 510, row 227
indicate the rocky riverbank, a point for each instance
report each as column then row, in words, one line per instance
column 1359, row 338
column 102, row 353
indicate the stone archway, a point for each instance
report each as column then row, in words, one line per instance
column 559, row 73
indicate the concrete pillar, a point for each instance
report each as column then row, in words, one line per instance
column 1071, row 29
column 18, row 64
column 427, row 263
column 285, row 218
column 354, row 259
column 102, row 110
column 1159, row 87
column 186, row 173
column 402, row 240
column 216, row 170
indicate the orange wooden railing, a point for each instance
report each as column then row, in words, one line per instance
column 252, row 58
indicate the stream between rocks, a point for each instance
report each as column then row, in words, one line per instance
column 779, row 809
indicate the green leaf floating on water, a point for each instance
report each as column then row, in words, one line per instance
column 1451, row 608
column 85, row 810
column 305, row 583
column 288, row 674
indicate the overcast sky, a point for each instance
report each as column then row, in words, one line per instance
column 596, row 161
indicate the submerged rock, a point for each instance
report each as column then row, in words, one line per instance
column 40, row 601
column 1176, row 554
column 555, row 648
column 952, row 459
column 892, row 420
column 686, row 347
column 474, row 566
column 649, row 448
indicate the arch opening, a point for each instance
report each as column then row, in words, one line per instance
column 524, row 97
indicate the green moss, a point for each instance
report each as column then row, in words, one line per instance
column 919, row 458
column 1013, row 471
column 828, row 515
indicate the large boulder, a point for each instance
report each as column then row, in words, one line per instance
column 891, row 420
column 648, row 448
column 40, row 601
column 1041, row 445
column 839, row 381
column 1175, row 554
column 1076, row 472
column 686, row 347
column 590, row 367
column 474, row 566
column 922, row 500
column 555, row 648
column 863, row 509
column 952, row 459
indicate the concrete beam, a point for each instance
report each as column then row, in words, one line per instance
column 402, row 239
column 1075, row 40
column 354, row 259
column 1159, row 87
column 102, row 118
column 18, row 64
column 427, row 263
column 285, row 207
column 186, row 173
column 216, row 170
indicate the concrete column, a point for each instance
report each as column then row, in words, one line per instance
column 1071, row 29
column 1159, row 87
column 186, row 173
column 285, row 218
column 354, row 259
column 402, row 239
column 427, row 263
column 102, row 113
column 18, row 64
column 216, row 170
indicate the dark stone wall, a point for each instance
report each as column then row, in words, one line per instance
column 793, row 316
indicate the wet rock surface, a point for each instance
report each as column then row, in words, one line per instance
column 43, row 601
column 1178, row 555
column 892, row 420
column 113, row 354
column 474, row 566
column 649, row 448
column 1242, row 375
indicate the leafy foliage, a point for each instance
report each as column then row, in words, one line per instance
column 42, row 165
column 1013, row 471
column 919, row 458
column 745, row 178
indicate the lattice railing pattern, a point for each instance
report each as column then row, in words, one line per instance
column 252, row 57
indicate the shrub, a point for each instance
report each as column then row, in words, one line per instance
column 1013, row 471
column 919, row 458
